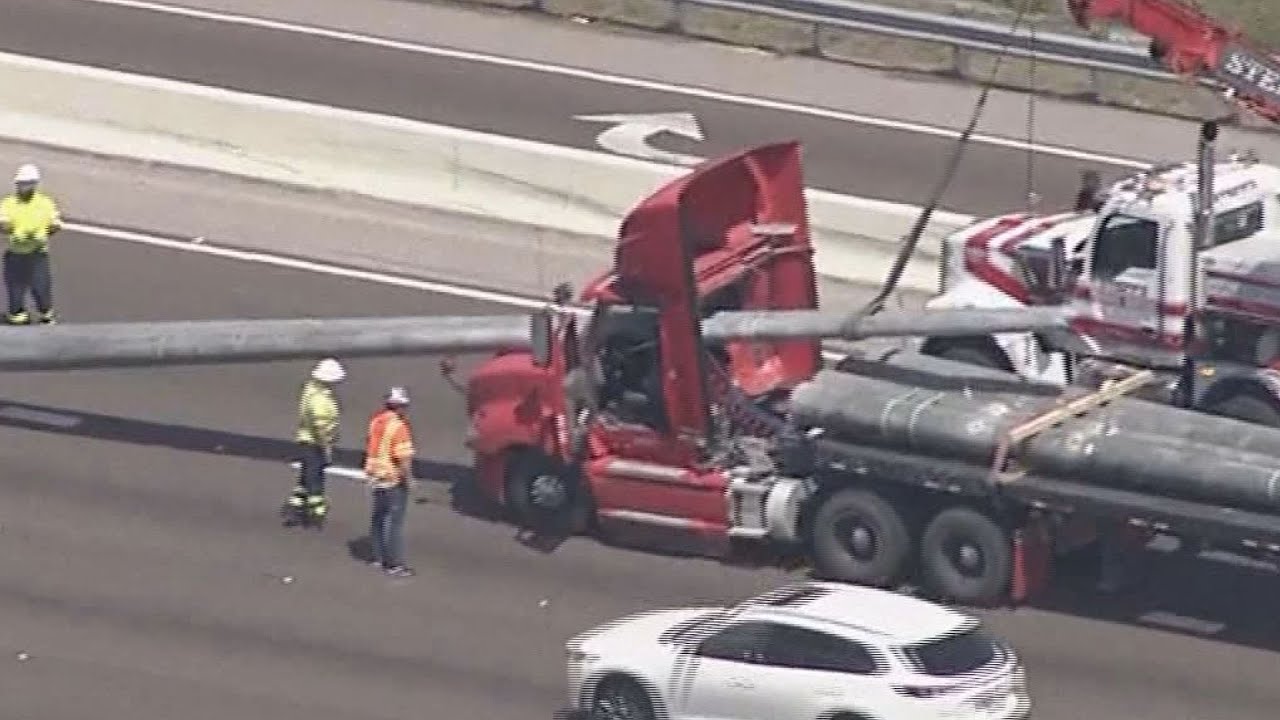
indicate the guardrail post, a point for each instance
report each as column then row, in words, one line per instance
column 959, row 61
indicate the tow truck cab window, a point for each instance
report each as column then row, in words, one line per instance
column 1237, row 224
column 630, row 353
column 1124, row 242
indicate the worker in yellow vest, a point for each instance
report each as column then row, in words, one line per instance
column 28, row 217
column 318, row 419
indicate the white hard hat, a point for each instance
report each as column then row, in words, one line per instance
column 27, row 173
column 397, row 396
column 329, row 370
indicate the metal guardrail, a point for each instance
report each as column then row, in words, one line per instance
column 956, row 32
column 1101, row 63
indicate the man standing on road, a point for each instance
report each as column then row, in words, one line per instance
column 29, row 217
column 389, row 467
column 318, row 419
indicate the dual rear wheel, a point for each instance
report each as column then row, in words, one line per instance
column 962, row 554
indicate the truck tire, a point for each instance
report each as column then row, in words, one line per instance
column 966, row 557
column 1247, row 407
column 544, row 495
column 860, row 538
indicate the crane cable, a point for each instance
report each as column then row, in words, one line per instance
column 876, row 304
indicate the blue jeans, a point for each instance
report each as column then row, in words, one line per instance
column 387, row 526
column 25, row 273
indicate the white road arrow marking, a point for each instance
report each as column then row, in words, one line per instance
column 630, row 134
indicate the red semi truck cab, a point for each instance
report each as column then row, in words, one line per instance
column 617, row 424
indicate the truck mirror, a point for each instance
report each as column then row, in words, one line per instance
column 540, row 336
column 1057, row 279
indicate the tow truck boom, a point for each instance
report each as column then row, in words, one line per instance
column 1190, row 43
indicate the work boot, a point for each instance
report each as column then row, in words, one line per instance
column 316, row 512
column 292, row 512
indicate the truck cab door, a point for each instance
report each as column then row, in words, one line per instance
column 1121, row 299
column 642, row 469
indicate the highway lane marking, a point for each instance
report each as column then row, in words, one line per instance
column 1182, row 622
column 202, row 246
column 620, row 80
column 40, row 417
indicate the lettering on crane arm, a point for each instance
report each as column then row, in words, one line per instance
column 1253, row 73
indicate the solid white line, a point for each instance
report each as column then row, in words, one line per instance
column 621, row 80
column 311, row 266
column 320, row 268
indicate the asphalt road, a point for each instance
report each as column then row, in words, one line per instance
column 842, row 157
column 144, row 569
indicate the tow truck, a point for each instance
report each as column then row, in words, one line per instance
column 1150, row 282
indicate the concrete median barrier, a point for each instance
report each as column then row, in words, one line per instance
column 401, row 160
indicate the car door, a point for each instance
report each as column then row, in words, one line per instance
column 716, row 680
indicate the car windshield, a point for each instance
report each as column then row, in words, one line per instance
column 954, row 654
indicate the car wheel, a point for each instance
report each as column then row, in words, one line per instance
column 621, row 699
column 860, row 538
column 966, row 556
column 544, row 495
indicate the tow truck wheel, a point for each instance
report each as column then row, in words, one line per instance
column 966, row 557
column 860, row 538
column 544, row 495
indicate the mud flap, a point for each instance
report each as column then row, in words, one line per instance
column 1032, row 562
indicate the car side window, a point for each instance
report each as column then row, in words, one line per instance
column 741, row 642
column 805, row 649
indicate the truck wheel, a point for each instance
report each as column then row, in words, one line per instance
column 858, row 537
column 544, row 495
column 966, row 556
column 1249, row 408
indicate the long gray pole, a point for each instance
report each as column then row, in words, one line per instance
column 109, row 345
column 113, row 345
column 827, row 324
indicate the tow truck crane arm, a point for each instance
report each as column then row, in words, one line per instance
column 1190, row 43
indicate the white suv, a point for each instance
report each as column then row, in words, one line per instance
column 808, row 651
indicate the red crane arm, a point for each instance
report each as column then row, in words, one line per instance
column 1191, row 43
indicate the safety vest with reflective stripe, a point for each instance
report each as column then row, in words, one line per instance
column 317, row 415
column 29, row 222
column 389, row 440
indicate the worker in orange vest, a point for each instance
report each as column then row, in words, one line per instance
column 389, row 467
